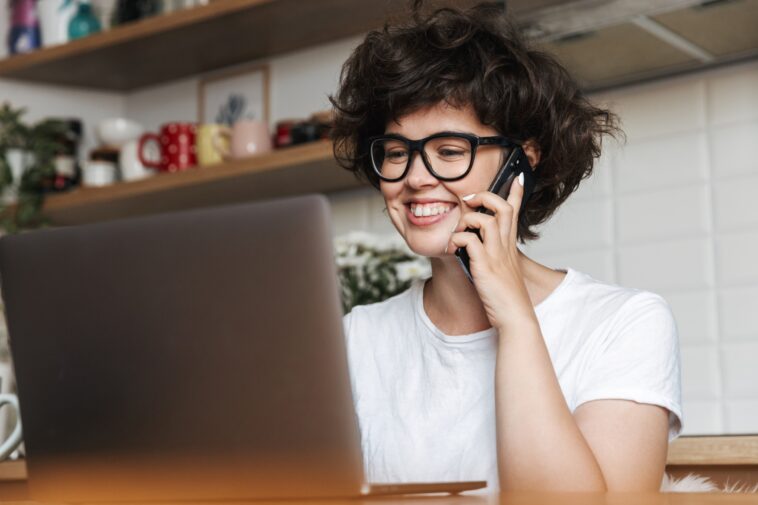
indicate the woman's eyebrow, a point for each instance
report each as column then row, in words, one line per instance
column 435, row 133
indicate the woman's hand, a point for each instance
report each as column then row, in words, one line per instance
column 494, row 260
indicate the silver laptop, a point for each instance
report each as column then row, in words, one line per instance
column 194, row 355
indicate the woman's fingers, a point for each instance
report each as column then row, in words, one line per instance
column 503, row 211
column 471, row 242
column 487, row 226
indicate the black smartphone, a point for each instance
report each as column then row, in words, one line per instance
column 515, row 164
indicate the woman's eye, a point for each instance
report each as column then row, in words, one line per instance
column 395, row 155
column 450, row 153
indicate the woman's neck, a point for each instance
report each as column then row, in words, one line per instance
column 453, row 305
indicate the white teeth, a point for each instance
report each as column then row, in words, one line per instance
column 433, row 209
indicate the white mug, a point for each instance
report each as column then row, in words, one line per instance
column 131, row 167
column 14, row 440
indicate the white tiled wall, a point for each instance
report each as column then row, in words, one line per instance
column 673, row 210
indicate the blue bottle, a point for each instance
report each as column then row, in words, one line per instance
column 84, row 21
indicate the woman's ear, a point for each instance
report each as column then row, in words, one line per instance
column 532, row 151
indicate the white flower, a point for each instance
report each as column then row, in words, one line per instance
column 414, row 269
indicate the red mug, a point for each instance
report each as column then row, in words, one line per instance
column 177, row 147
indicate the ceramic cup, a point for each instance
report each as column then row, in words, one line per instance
column 99, row 173
column 177, row 146
column 130, row 165
column 10, row 444
column 246, row 138
column 207, row 154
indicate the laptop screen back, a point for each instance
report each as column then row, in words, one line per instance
column 192, row 355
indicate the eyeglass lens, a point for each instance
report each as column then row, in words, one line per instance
column 449, row 157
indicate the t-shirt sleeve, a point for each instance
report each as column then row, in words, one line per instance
column 637, row 358
column 346, row 319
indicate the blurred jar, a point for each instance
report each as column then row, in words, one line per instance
column 84, row 22
column 98, row 173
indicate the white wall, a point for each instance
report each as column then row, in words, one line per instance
column 300, row 83
column 673, row 211
column 677, row 214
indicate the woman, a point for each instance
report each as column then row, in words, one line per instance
column 529, row 377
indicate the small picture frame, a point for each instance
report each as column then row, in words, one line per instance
column 240, row 93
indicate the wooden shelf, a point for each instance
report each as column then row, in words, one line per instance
column 714, row 450
column 306, row 168
column 194, row 41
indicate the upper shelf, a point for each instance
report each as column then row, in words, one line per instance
column 193, row 41
column 306, row 168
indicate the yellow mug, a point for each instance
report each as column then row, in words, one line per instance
column 207, row 154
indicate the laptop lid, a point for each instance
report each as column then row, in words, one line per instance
column 191, row 355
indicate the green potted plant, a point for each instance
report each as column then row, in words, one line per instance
column 373, row 268
column 27, row 163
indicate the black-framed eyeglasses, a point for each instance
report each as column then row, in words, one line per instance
column 448, row 156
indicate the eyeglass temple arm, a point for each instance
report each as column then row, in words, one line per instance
column 504, row 142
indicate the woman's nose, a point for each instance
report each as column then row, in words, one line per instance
column 418, row 175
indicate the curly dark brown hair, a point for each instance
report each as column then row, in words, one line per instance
column 478, row 58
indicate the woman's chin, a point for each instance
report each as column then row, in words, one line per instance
column 430, row 250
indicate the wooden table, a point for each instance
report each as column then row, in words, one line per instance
column 720, row 458
column 526, row 499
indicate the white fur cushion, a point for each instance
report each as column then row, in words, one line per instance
column 693, row 483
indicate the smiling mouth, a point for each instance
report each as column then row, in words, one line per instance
column 430, row 209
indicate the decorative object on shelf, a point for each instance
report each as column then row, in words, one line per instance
column 132, row 10
column 67, row 170
column 105, row 153
column 246, row 138
column 98, row 173
column 84, row 21
column 175, row 5
column 105, row 10
column 38, row 145
column 177, row 147
column 54, row 18
column 117, row 131
column 207, row 154
column 373, row 268
column 130, row 166
column 282, row 135
column 24, row 35
column 233, row 95
column 231, row 112
column 293, row 131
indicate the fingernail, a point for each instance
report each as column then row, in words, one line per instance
column 468, row 197
column 521, row 178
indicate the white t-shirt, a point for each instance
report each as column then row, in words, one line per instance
column 425, row 400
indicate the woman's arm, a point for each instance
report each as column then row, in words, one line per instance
column 629, row 441
column 539, row 444
column 608, row 444
column 613, row 445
